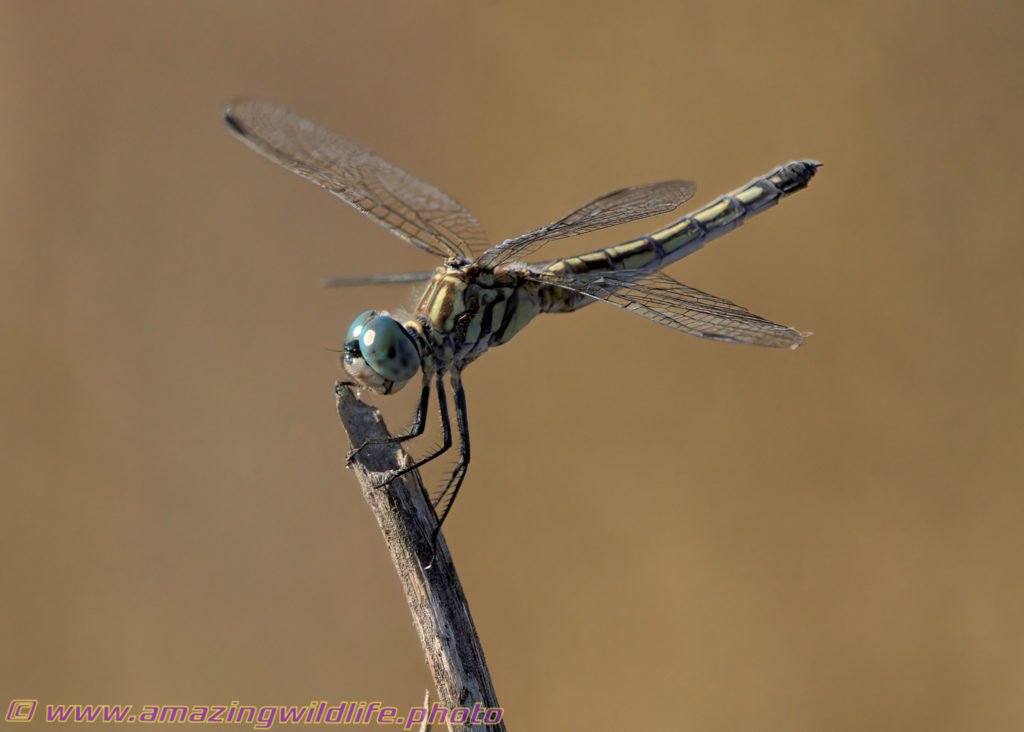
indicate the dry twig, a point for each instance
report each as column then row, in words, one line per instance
column 407, row 520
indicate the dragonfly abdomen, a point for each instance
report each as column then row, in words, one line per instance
column 691, row 232
column 683, row 237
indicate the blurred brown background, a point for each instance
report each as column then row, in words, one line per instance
column 825, row 539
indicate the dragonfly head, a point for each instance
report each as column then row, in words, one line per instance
column 380, row 354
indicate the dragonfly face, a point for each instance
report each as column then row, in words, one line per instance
column 380, row 354
column 483, row 295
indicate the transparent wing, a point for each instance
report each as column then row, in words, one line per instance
column 388, row 279
column 411, row 208
column 660, row 298
column 611, row 209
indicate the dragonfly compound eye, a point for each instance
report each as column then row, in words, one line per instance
column 359, row 324
column 379, row 354
column 388, row 349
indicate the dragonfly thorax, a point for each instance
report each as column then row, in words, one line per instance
column 380, row 354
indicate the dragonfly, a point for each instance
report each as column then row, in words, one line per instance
column 482, row 295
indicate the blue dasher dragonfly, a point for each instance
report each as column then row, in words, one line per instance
column 482, row 295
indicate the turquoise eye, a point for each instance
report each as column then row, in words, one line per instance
column 387, row 348
column 359, row 324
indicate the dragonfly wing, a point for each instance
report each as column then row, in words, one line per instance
column 611, row 209
column 388, row 279
column 409, row 207
column 660, row 298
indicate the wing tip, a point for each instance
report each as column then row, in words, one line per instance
column 232, row 116
column 233, row 123
column 801, row 337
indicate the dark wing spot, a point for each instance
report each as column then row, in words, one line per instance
column 234, row 123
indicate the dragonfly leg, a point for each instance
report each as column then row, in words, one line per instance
column 415, row 429
column 446, row 430
column 459, row 474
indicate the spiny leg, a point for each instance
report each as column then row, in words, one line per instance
column 446, row 430
column 459, row 474
column 419, row 423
